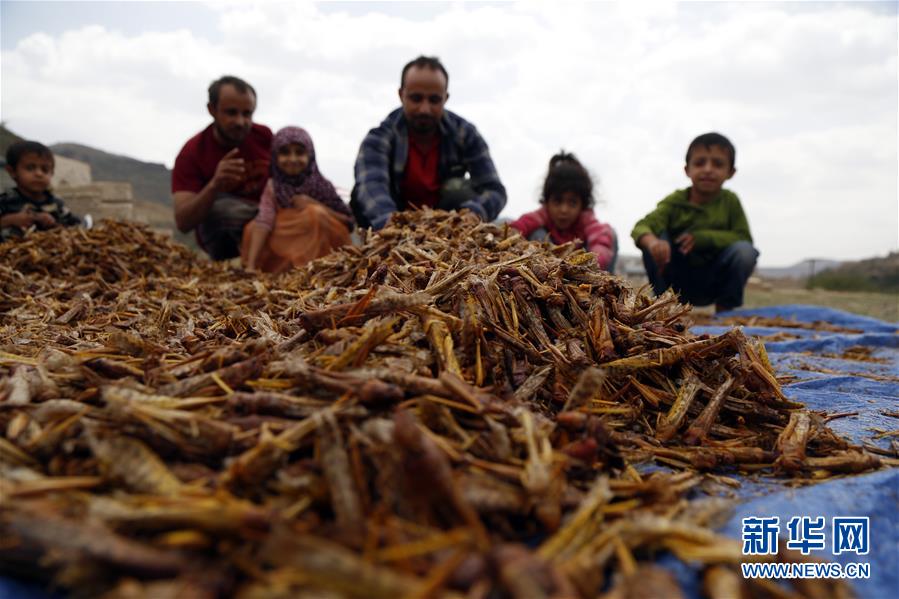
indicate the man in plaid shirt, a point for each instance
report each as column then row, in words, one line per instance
column 420, row 156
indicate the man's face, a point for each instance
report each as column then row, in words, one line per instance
column 32, row 174
column 423, row 96
column 708, row 168
column 233, row 115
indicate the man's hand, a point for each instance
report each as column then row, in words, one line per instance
column 660, row 250
column 685, row 243
column 229, row 172
column 45, row 221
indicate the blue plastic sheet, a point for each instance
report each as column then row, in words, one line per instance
column 825, row 378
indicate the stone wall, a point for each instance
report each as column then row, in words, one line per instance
column 66, row 171
column 69, row 172
column 100, row 199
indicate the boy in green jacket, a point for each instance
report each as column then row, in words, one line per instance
column 712, row 254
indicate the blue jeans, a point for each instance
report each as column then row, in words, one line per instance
column 720, row 283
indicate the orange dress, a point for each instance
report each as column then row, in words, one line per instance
column 299, row 236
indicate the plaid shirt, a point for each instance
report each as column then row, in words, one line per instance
column 382, row 161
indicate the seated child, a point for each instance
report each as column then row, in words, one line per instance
column 567, row 212
column 300, row 217
column 30, row 202
column 713, row 254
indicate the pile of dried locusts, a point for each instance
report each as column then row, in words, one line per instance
column 447, row 410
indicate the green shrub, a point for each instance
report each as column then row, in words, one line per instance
column 841, row 281
column 875, row 274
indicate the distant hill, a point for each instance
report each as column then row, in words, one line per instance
column 800, row 270
column 873, row 274
column 7, row 138
column 150, row 181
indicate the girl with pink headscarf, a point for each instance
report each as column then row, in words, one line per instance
column 300, row 217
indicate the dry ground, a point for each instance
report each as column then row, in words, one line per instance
column 884, row 306
column 760, row 293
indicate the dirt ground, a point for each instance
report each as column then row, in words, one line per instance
column 884, row 306
column 760, row 293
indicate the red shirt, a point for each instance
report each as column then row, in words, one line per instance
column 196, row 163
column 421, row 183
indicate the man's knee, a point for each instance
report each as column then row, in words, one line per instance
column 454, row 192
column 229, row 209
column 220, row 233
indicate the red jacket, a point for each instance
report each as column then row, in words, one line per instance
column 598, row 237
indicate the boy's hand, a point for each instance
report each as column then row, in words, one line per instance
column 44, row 220
column 685, row 243
column 661, row 253
column 229, row 172
column 22, row 219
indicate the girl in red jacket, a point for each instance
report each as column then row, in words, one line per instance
column 567, row 214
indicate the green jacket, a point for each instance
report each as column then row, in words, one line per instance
column 714, row 225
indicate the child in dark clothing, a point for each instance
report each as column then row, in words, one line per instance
column 30, row 203
column 697, row 240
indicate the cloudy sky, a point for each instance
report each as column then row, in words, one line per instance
column 806, row 91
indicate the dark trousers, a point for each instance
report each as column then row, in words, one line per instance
column 721, row 282
column 220, row 232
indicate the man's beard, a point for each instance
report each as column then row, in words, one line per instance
column 423, row 125
column 229, row 138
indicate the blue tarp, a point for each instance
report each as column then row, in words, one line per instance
column 827, row 378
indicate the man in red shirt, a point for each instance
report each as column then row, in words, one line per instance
column 220, row 172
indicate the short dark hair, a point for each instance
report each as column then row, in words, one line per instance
column 707, row 140
column 566, row 173
column 239, row 84
column 430, row 62
column 18, row 150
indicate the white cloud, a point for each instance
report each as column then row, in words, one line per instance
column 808, row 93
